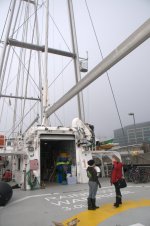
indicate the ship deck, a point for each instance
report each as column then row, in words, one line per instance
column 63, row 203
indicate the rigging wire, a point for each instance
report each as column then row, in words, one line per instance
column 28, row 69
column 58, row 119
column 63, row 109
column 4, row 70
column 19, row 57
column 28, row 18
column 20, row 68
column 53, row 58
column 25, row 68
column 11, row 60
column 6, row 20
column 60, row 72
column 12, row 109
column 7, row 117
column 54, row 25
column 21, row 120
column 59, row 31
column 1, row 113
column 106, row 71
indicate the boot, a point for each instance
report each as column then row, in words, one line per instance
column 116, row 204
column 120, row 200
column 93, row 202
column 90, row 204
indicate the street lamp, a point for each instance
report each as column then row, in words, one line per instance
column 132, row 114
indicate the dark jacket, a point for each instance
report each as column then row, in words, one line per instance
column 92, row 174
column 116, row 173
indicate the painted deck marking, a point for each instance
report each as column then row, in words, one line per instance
column 94, row 218
column 138, row 224
column 55, row 193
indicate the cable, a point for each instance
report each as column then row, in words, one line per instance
column 54, row 81
column 28, row 18
column 106, row 71
column 21, row 119
column 58, row 119
column 25, row 67
column 59, row 32
column 6, row 20
column 60, row 73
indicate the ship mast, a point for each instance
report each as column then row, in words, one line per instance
column 76, row 59
column 5, row 42
column 76, row 63
column 45, row 88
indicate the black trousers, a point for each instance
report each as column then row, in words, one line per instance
column 117, row 190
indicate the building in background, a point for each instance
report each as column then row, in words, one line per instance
column 133, row 134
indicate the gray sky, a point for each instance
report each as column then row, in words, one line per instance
column 114, row 21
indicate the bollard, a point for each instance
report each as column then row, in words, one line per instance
column 5, row 193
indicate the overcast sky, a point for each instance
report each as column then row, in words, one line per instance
column 114, row 21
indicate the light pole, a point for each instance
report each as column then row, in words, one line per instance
column 132, row 114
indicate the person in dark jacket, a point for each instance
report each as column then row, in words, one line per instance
column 116, row 175
column 93, row 185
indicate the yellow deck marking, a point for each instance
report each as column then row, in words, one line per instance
column 95, row 217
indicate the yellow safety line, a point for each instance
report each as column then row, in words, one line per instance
column 95, row 217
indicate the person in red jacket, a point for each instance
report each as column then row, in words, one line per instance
column 116, row 175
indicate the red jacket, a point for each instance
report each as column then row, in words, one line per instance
column 116, row 173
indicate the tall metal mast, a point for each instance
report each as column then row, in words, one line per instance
column 6, row 37
column 45, row 88
column 76, row 59
column 39, row 59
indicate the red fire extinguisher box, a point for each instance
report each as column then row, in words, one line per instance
column 2, row 141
